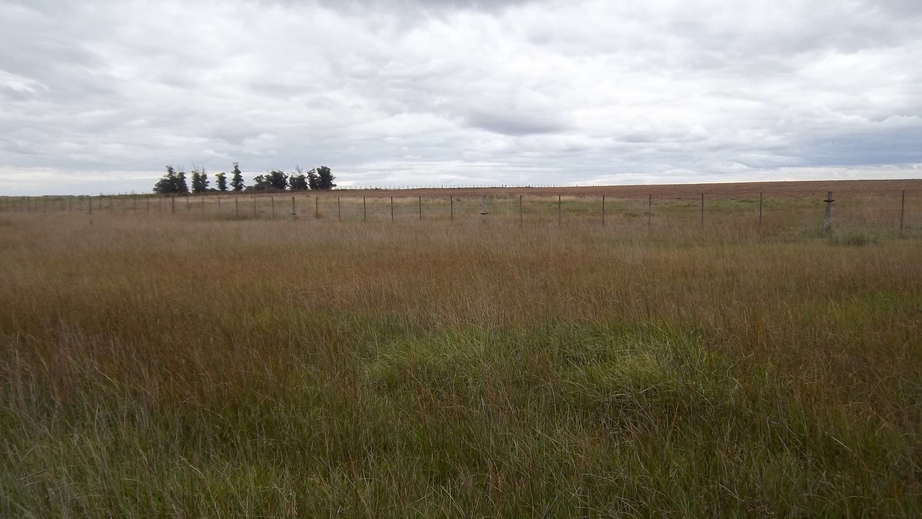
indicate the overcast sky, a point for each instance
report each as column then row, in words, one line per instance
column 98, row 96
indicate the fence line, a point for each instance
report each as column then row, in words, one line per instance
column 896, row 211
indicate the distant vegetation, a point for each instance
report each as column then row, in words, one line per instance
column 174, row 182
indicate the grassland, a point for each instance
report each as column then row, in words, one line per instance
column 198, row 365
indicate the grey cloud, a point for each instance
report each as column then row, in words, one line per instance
column 512, row 123
column 407, row 6
column 888, row 145
column 504, row 90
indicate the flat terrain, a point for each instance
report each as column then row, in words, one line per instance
column 789, row 189
column 217, row 357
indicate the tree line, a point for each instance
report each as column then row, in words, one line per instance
column 174, row 181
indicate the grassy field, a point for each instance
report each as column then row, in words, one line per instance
column 200, row 365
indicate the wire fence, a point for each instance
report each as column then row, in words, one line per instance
column 880, row 211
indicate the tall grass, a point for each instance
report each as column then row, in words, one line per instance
column 196, row 366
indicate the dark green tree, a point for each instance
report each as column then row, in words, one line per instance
column 181, row 186
column 237, row 178
column 325, row 178
column 298, row 182
column 260, row 183
column 313, row 181
column 277, row 180
column 172, row 182
column 221, row 178
column 199, row 180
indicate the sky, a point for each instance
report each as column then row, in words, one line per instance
column 99, row 96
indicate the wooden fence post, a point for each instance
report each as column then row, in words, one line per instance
column 364, row 210
column 827, row 225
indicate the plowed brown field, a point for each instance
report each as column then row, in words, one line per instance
column 793, row 189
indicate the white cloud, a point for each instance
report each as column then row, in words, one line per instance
column 504, row 92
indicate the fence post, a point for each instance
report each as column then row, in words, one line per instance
column 392, row 209
column 203, row 204
column 173, row 203
column 339, row 209
column 451, row 207
column 420, row 208
column 902, row 212
column 272, row 201
column 316, row 208
column 521, row 216
column 254, row 206
column 294, row 213
column 826, row 221
column 760, row 209
column 236, row 207
column 219, row 206
column 364, row 210
column 188, row 203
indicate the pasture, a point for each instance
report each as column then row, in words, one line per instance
column 200, row 363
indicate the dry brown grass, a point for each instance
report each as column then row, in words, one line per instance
column 199, row 366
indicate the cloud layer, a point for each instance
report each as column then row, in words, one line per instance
column 99, row 96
